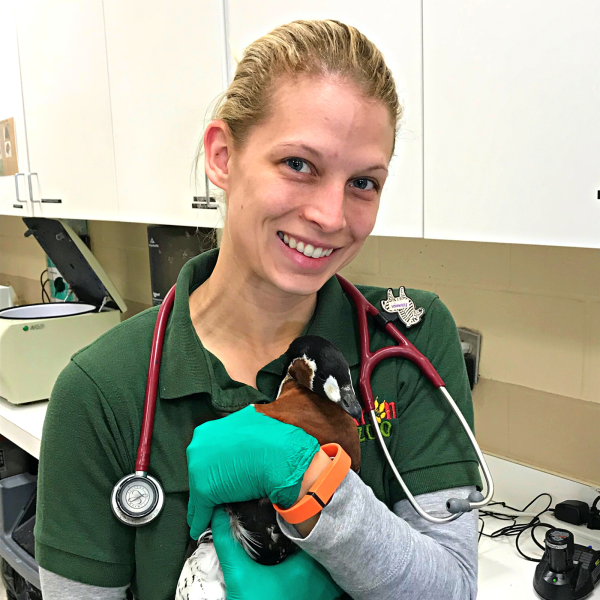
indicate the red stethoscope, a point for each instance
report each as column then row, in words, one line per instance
column 138, row 498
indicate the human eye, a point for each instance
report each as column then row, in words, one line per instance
column 297, row 164
column 362, row 183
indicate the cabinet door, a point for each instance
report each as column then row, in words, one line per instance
column 13, row 145
column 395, row 27
column 67, row 108
column 512, row 121
column 166, row 68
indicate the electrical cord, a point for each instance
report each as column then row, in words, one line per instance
column 515, row 529
column 45, row 295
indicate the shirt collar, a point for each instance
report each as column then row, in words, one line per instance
column 185, row 369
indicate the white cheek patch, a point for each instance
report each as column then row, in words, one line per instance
column 332, row 389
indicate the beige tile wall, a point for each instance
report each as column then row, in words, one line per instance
column 122, row 250
column 537, row 307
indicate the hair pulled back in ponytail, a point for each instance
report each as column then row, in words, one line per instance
column 317, row 48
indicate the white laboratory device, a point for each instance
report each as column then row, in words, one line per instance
column 6, row 296
column 38, row 340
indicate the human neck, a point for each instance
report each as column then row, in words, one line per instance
column 236, row 315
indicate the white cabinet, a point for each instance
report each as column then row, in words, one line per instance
column 512, row 121
column 11, row 107
column 67, row 108
column 395, row 27
column 166, row 67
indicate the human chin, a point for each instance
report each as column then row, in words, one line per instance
column 299, row 285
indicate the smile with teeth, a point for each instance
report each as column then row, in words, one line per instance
column 306, row 249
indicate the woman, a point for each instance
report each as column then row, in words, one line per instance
column 300, row 146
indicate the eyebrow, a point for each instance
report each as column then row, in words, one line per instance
column 318, row 154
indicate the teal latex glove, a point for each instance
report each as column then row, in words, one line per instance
column 298, row 577
column 245, row 456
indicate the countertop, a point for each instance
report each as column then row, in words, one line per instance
column 22, row 424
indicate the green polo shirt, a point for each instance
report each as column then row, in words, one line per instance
column 94, row 417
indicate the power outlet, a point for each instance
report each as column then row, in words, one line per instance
column 473, row 338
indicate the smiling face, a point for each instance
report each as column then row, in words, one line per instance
column 303, row 191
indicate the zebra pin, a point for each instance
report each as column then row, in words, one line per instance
column 403, row 306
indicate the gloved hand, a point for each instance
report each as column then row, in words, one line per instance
column 245, row 456
column 298, row 577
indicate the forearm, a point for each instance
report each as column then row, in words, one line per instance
column 372, row 553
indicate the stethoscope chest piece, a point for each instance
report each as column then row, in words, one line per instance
column 137, row 499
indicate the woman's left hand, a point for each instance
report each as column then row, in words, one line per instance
column 245, row 456
column 298, row 577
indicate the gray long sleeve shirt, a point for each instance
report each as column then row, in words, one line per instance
column 367, row 549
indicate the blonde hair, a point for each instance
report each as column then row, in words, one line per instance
column 303, row 47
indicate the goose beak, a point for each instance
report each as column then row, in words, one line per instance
column 350, row 403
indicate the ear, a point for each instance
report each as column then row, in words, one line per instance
column 217, row 150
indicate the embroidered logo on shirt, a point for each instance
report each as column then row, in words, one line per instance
column 385, row 411
column 403, row 306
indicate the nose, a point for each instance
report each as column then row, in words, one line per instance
column 326, row 207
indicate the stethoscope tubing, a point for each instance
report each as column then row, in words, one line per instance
column 408, row 351
column 143, row 453
column 369, row 360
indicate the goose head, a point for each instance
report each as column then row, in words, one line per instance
column 319, row 366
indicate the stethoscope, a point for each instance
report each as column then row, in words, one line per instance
column 138, row 498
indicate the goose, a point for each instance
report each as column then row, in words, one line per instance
column 316, row 394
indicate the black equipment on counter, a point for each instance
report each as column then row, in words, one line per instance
column 578, row 512
column 572, row 511
column 594, row 516
column 170, row 247
column 567, row 571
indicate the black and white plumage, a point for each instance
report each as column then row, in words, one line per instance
column 316, row 394
column 201, row 577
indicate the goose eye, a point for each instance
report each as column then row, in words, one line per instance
column 321, row 375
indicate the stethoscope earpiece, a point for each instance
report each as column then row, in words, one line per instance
column 461, row 505
column 458, row 505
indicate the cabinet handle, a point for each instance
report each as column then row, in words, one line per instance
column 17, row 175
column 200, row 202
column 41, row 200
column 205, row 201
column 30, row 188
